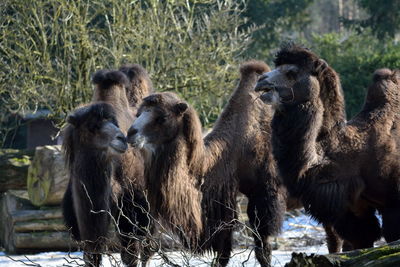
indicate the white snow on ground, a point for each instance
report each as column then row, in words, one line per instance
column 241, row 258
column 299, row 234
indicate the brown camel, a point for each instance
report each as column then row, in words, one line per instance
column 193, row 182
column 124, row 173
column 342, row 171
column 91, row 136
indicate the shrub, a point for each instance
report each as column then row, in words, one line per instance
column 49, row 50
column 355, row 58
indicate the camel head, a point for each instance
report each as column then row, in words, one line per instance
column 384, row 89
column 159, row 121
column 95, row 127
column 295, row 80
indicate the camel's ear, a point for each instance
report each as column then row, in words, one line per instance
column 72, row 119
column 180, row 108
column 153, row 99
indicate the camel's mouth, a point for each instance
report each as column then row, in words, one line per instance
column 271, row 97
column 263, row 85
column 137, row 141
column 119, row 145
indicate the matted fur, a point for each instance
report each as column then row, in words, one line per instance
column 331, row 93
column 344, row 175
column 193, row 181
column 123, row 175
column 140, row 83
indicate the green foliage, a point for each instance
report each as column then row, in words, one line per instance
column 383, row 20
column 275, row 20
column 355, row 58
column 50, row 49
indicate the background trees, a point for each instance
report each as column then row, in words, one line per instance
column 49, row 49
column 354, row 36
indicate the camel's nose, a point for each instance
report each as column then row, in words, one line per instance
column 121, row 137
column 131, row 134
column 263, row 76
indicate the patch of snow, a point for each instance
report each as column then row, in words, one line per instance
column 299, row 234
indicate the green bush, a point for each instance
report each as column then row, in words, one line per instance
column 50, row 49
column 355, row 58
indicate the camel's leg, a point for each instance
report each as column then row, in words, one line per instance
column 222, row 245
column 390, row 223
column 347, row 246
column 361, row 231
column 92, row 259
column 127, row 225
column 334, row 242
column 69, row 213
column 135, row 221
column 265, row 215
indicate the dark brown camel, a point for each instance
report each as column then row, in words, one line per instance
column 193, row 182
column 126, row 171
column 92, row 136
column 342, row 171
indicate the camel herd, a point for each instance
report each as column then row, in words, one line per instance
column 138, row 160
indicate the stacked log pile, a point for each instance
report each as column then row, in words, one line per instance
column 32, row 219
column 27, row 229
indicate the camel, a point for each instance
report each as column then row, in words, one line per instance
column 192, row 183
column 123, row 173
column 343, row 172
column 92, row 135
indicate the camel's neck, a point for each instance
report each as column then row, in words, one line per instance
column 117, row 98
column 294, row 137
column 92, row 170
column 231, row 124
column 174, row 191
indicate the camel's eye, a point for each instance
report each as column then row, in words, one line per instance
column 161, row 119
column 291, row 74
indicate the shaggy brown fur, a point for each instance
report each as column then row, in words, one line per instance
column 88, row 139
column 193, row 182
column 141, row 85
column 341, row 171
column 126, row 171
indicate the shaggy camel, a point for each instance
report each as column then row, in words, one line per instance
column 193, row 182
column 342, row 171
column 92, row 136
column 122, row 176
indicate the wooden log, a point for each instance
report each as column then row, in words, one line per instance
column 27, row 229
column 388, row 255
column 27, row 215
column 39, row 225
column 47, row 176
column 14, row 168
column 43, row 241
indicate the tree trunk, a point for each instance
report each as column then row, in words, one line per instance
column 387, row 255
column 14, row 168
column 47, row 176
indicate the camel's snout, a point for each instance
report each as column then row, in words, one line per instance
column 131, row 135
column 263, row 84
column 119, row 143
